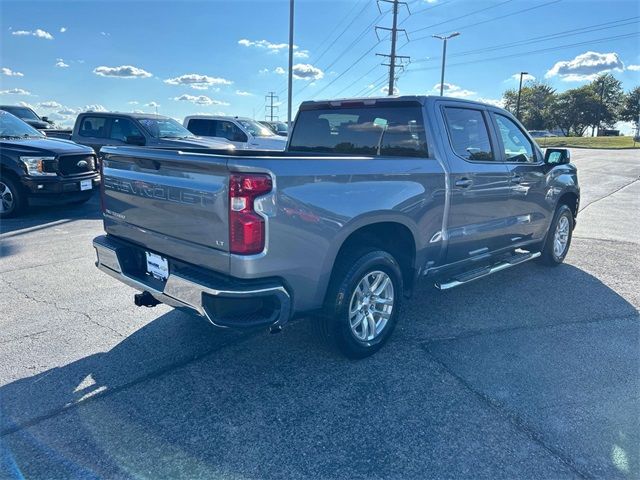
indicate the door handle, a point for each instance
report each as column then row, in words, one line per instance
column 464, row 183
column 516, row 179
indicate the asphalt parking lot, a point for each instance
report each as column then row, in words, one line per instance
column 531, row 373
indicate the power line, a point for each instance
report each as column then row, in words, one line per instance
column 493, row 19
column 462, row 16
column 533, row 52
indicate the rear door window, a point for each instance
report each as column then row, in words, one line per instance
column 396, row 131
column 202, row 127
column 95, row 127
column 468, row 134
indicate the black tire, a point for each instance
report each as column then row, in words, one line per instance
column 13, row 198
column 334, row 326
column 549, row 255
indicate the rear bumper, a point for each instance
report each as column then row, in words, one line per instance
column 223, row 300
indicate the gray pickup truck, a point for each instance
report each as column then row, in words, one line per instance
column 99, row 129
column 370, row 196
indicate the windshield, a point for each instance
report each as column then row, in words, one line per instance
column 21, row 112
column 280, row 126
column 11, row 127
column 165, row 128
column 255, row 129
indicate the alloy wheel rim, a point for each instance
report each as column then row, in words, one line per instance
column 561, row 237
column 6, row 198
column 371, row 305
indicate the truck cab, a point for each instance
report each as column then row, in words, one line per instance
column 99, row 129
column 244, row 133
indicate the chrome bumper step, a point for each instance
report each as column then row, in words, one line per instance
column 485, row 271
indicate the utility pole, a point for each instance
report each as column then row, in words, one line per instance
column 394, row 38
column 444, row 38
column 271, row 106
column 522, row 74
column 290, row 85
column 593, row 129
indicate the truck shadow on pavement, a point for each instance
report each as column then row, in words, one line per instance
column 43, row 217
column 484, row 381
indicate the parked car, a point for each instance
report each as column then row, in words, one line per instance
column 97, row 129
column 243, row 133
column 279, row 128
column 370, row 197
column 27, row 115
column 541, row 133
column 36, row 169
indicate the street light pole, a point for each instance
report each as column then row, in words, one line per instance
column 290, row 88
column 444, row 38
column 522, row 74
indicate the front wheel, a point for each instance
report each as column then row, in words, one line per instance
column 363, row 304
column 558, row 240
column 12, row 199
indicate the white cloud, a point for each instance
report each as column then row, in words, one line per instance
column 197, row 81
column 266, row 45
column 66, row 111
column 60, row 63
column 133, row 102
column 39, row 33
column 525, row 78
column 586, row 66
column 491, row 101
column 301, row 54
column 94, row 108
column 305, row 71
column 63, row 29
column 633, row 68
column 152, row 104
column 243, row 93
column 199, row 99
column 263, row 71
column 451, row 90
column 385, row 90
column 15, row 91
column 105, row 34
column 51, row 104
column 280, row 71
column 11, row 73
column 123, row 71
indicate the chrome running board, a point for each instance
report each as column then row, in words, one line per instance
column 477, row 273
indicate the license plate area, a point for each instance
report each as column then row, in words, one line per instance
column 86, row 185
column 157, row 266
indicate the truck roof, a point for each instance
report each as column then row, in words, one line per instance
column 125, row 114
column 422, row 99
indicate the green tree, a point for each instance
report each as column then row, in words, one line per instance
column 575, row 110
column 630, row 110
column 610, row 95
column 536, row 100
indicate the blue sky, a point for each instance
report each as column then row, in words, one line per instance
column 213, row 56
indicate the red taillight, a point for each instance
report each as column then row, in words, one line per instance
column 246, row 227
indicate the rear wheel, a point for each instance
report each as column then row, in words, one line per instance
column 558, row 240
column 12, row 198
column 362, row 304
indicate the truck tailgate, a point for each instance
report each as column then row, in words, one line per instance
column 174, row 201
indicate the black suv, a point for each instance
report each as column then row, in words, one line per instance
column 37, row 169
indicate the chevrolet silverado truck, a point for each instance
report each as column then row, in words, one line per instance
column 370, row 197
column 37, row 169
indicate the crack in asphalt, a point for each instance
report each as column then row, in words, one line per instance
column 514, row 419
column 608, row 194
column 53, row 304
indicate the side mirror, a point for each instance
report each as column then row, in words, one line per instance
column 45, row 119
column 135, row 140
column 557, row 156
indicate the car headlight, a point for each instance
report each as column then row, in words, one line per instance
column 35, row 166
